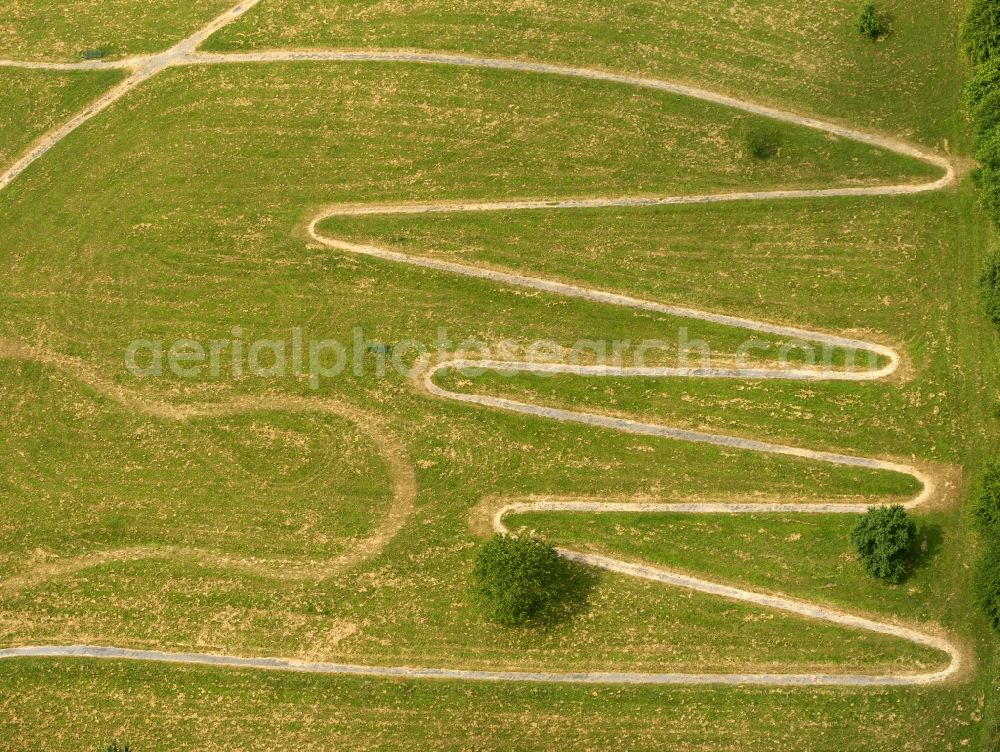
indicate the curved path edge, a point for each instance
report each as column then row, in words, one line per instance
column 408, row 672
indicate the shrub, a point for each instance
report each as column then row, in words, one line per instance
column 871, row 24
column 985, row 78
column 987, row 176
column 989, row 288
column 988, row 152
column 981, row 30
column 521, row 579
column 761, row 143
column 116, row 747
column 988, row 492
column 987, row 583
column 986, row 114
column 987, row 179
column 882, row 538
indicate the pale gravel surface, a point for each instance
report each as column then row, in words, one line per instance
column 185, row 53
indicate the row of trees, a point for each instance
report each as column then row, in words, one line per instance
column 981, row 38
column 987, row 582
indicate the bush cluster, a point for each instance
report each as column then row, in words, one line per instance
column 521, row 580
column 985, row 78
column 989, row 287
column 987, row 584
column 872, row 24
column 883, row 538
column 981, row 30
column 987, row 580
column 761, row 142
column 988, row 501
column 981, row 37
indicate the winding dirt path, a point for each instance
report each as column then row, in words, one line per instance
column 185, row 53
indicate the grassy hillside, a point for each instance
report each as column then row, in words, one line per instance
column 179, row 214
column 262, row 161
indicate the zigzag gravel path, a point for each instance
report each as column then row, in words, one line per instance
column 186, row 53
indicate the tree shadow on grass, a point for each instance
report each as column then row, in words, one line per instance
column 926, row 546
column 577, row 585
column 570, row 598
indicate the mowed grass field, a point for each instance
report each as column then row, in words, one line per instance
column 235, row 175
column 180, row 212
column 803, row 55
column 33, row 101
column 53, row 30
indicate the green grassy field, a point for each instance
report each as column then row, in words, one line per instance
column 51, row 30
column 778, row 553
column 804, row 55
column 180, row 213
column 33, row 101
column 785, row 262
column 188, row 705
column 183, row 707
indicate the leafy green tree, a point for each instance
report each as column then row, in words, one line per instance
column 987, row 583
column 988, row 150
column 989, row 293
column 981, row 30
column 883, row 538
column 988, row 492
column 986, row 114
column 519, row 580
column 985, row 78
